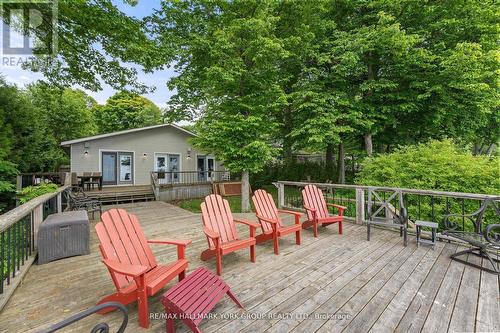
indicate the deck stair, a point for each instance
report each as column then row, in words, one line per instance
column 123, row 194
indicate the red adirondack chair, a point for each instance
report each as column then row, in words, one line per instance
column 220, row 229
column 317, row 210
column 131, row 263
column 270, row 220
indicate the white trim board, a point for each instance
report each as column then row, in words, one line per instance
column 107, row 135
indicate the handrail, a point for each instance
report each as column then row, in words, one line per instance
column 173, row 178
column 424, row 204
column 18, row 237
column 460, row 195
column 155, row 185
column 14, row 215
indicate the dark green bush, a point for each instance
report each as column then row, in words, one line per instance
column 30, row 192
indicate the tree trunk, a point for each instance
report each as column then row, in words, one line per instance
column 285, row 131
column 287, row 151
column 341, row 164
column 245, row 192
column 329, row 154
column 368, row 144
column 490, row 149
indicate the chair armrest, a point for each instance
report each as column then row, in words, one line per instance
column 210, row 233
column 491, row 236
column 248, row 223
column 125, row 269
column 265, row 219
column 297, row 215
column 178, row 242
column 290, row 212
column 181, row 245
column 251, row 225
column 339, row 207
column 336, row 206
column 310, row 208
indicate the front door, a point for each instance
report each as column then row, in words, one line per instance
column 109, row 167
column 173, row 167
column 161, row 165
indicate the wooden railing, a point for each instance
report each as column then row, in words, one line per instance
column 189, row 177
column 426, row 205
column 18, row 238
column 155, row 185
column 35, row 178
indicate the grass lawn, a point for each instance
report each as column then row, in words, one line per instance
column 193, row 205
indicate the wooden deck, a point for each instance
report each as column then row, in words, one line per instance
column 330, row 284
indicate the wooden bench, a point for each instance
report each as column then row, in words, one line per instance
column 194, row 297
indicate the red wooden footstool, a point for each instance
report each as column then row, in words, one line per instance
column 194, row 297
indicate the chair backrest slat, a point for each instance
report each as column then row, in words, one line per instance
column 313, row 197
column 265, row 207
column 123, row 240
column 217, row 216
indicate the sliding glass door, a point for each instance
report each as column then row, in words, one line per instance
column 109, row 168
column 117, row 168
column 126, row 168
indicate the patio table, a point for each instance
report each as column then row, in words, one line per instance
column 194, row 297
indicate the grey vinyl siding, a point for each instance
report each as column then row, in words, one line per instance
column 150, row 141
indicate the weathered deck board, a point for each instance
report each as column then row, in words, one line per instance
column 379, row 284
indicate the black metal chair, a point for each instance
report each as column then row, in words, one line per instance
column 482, row 241
column 384, row 214
column 101, row 327
column 78, row 200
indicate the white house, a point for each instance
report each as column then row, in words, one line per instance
column 128, row 157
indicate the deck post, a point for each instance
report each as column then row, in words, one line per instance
column 360, row 205
column 19, row 182
column 281, row 195
column 37, row 220
column 59, row 203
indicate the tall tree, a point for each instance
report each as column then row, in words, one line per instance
column 94, row 41
column 227, row 59
column 66, row 112
column 126, row 110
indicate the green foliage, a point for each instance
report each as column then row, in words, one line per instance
column 436, row 165
column 227, row 56
column 30, row 192
column 66, row 112
column 94, row 40
column 319, row 172
column 126, row 110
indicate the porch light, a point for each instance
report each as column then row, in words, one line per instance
column 144, row 156
column 189, row 153
column 86, row 153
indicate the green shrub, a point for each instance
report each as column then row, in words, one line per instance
column 30, row 192
column 436, row 165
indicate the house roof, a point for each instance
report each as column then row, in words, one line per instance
column 107, row 135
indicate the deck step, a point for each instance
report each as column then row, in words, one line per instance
column 116, row 195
